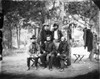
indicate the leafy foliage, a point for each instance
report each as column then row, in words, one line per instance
column 36, row 11
column 29, row 10
column 87, row 9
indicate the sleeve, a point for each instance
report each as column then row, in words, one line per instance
column 53, row 48
column 61, row 34
column 66, row 49
column 42, row 47
column 30, row 49
column 38, row 47
column 41, row 36
column 52, row 36
column 59, row 48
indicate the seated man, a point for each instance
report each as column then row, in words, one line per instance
column 33, row 52
column 48, row 52
column 63, row 53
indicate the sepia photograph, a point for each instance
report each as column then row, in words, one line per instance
column 49, row 39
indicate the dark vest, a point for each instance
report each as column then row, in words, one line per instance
column 49, row 47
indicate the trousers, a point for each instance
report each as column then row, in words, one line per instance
column 29, row 59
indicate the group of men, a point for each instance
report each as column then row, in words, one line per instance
column 53, row 48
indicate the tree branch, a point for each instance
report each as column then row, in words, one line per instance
column 77, row 20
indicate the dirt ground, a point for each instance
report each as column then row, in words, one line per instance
column 14, row 67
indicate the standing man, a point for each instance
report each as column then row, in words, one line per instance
column 45, row 32
column 89, row 41
column 57, row 33
column 43, row 35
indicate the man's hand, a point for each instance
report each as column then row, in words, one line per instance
column 38, row 53
column 32, row 55
column 58, row 54
column 44, row 52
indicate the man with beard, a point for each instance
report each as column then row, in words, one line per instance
column 64, row 53
column 45, row 32
column 33, row 52
column 43, row 35
column 57, row 33
column 49, row 52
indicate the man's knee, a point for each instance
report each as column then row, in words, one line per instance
column 68, row 61
column 36, row 59
column 29, row 58
column 52, row 57
column 62, row 63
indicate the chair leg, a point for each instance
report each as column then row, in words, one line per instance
column 65, row 62
column 76, row 58
column 33, row 62
column 81, row 58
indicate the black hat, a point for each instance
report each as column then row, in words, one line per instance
column 33, row 37
column 56, row 25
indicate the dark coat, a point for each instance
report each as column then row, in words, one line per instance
column 49, row 47
column 89, row 40
column 44, row 34
column 34, row 48
column 69, row 32
column 84, row 35
column 59, row 35
column 63, row 48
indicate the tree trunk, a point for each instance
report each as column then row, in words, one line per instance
column 9, row 44
column 99, row 26
column 10, row 39
column 18, row 36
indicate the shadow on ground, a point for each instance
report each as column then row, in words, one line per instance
column 91, row 75
column 15, row 67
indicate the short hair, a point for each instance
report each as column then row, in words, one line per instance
column 33, row 37
column 48, row 36
column 55, row 25
column 63, row 37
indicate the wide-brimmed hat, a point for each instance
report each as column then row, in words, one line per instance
column 56, row 24
column 33, row 37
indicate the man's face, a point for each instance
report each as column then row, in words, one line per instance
column 33, row 40
column 46, row 27
column 56, row 27
column 48, row 38
column 62, row 39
